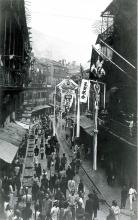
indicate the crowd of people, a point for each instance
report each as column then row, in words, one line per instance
column 55, row 194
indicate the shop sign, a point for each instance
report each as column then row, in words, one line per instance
column 84, row 90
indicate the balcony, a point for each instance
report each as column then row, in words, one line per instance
column 106, row 35
column 120, row 130
column 9, row 80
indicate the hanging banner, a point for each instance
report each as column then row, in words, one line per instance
column 84, row 90
column 68, row 100
column 67, row 88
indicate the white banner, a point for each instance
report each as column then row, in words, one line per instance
column 84, row 90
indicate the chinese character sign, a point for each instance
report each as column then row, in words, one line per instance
column 84, row 90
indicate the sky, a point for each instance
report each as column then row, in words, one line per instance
column 62, row 29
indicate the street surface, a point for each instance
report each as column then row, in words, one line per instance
column 83, row 173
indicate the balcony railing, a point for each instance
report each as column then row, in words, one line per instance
column 122, row 130
column 7, row 79
column 107, row 33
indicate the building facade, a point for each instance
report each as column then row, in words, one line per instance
column 117, row 58
column 44, row 75
column 14, row 58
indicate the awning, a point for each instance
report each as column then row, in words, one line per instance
column 18, row 129
column 89, row 130
column 7, row 151
column 86, row 123
column 38, row 108
column 12, row 133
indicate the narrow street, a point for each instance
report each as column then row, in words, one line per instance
column 68, row 110
column 84, row 175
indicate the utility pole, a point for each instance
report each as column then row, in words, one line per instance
column 54, row 122
column 96, row 108
column 78, row 115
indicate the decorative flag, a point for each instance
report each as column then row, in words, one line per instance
column 97, row 64
column 84, row 90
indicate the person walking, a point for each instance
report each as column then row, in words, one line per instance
column 124, row 194
column 110, row 216
column 27, row 198
column 57, row 183
column 132, row 196
column 38, row 171
column 63, row 161
column 67, row 211
column 80, row 211
column 49, row 160
column 77, row 163
column 116, row 210
column 71, row 185
column 46, row 207
column 42, row 151
column 11, row 194
column 89, row 207
column 27, row 212
column 69, row 173
column 36, row 151
column 18, row 184
column 81, row 187
column 17, row 215
column 35, row 190
column 52, row 182
column 44, row 183
column 57, row 163
column 57, row 147
column 95, row 203
column 72, row 203
column 8, row 212
column 63, row 185
column 55, row 211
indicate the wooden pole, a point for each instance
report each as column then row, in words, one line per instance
column 95, row 140
column 96, row 107
column 89, row 98
column 5, row 35
column 54, row 122
column 61, row 109
column 104, row 94
column 118, row 54
column 78, row 115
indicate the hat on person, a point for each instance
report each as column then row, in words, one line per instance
column 55, row 202
column 79, row 202
column 114, row 203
